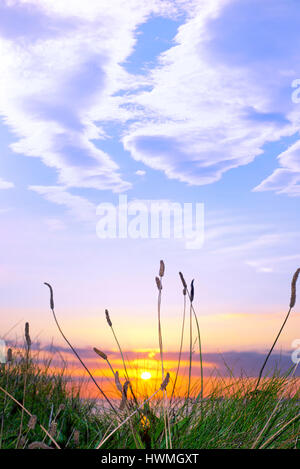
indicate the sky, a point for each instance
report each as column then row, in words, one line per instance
column 183, row 101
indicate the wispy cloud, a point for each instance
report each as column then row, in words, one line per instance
column 6, row 184
column 78, row 206
column 54, row 224
column 286, row 179
column 140, row 172
column 274, row 263
column 221, row 93
column 234, row 235
column 60, row 72
column 258, row 241
column 212, row 102
column 245, row 362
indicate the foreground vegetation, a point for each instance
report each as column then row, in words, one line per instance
column 227, row 418
column 41, row 408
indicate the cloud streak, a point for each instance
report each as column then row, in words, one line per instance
column 6, row 184
column 50, row 80
column 79, row 207
column 220, row 94
column 60, row 72
column 286, row 179
column 246, row 363
column 212, row 102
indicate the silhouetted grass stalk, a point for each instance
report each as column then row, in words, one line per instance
column 159, row 286
column 105, row 357
column 181, row 344
column 292, row 304
column 121, row 353
column 165, row 404
column 119, row 388
column 27, row 354
column 191, row 298
column 74, row 351
column 162, row 388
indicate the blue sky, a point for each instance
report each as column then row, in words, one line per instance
column 186, row 101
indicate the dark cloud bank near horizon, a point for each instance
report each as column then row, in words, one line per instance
column 239, row 363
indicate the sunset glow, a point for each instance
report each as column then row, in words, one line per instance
column 178, row 104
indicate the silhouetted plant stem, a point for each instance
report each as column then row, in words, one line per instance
column 74, row 351
column 191, row 353
column 271, row 350
column 200, row 351
column 191, row 298
column 162, row 388
column 27, row 355
column 292, row 304
column 181, row 344
column 125, row 368
column 165, row 405
column 159, row 286
column 109, row 322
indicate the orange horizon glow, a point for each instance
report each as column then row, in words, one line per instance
column 219, row 331
column 144, row 374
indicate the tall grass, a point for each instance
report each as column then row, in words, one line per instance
column 42, row 408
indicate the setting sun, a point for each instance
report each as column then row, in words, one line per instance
column 146, row 375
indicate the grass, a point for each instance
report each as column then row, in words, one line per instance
column 50, row 397
column 41, row 408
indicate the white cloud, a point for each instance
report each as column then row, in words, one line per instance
column 265, row 270
column 259, row 241
column 60, row 71
column 54, row 224
column 140, row 172
column 221, row 93
column 275, row 263
column 6, row 184
column 216, row 97
column 79, row 207
column 286, row 179
column 255, row 244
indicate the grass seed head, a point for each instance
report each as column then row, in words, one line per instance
column 38, row 445
column 183, row 281
column 108, row 318
column 61, row 408
column 53, row 429
column 51, row 295
column 161, row 269
column 32, row 422
column 118, row 382
column 165, row 382
column 100, row 353
column 293, row 292
column 27, row 336
column 158, row 283
column 9, row 355
column 124, row 395
column 192, row 291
